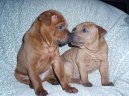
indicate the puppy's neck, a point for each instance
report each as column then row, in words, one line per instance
column 50, row 47
column 91, row 49
column 35, row 27
column 94, row 47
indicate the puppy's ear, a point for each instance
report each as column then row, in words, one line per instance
column 47, row 18
column 101, row 31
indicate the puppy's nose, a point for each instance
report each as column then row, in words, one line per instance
column 71, row 35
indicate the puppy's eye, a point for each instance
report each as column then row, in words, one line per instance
column 84, row 30
column 60, row 27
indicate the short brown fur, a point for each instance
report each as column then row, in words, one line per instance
column 90, row 54
column 39, row 56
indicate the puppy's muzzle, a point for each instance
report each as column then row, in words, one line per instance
column 71, row 40
column 66, row 39
column 71, row 36
column 74, row 40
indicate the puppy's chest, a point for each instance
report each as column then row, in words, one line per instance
column 92, row 62
column 44, row 63
column 46, row 59
column 48, row 50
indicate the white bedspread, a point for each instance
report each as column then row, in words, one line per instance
column 16, row 16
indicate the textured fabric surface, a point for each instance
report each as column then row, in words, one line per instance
column 16, row 16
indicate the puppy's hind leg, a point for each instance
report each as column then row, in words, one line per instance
column 21, row 77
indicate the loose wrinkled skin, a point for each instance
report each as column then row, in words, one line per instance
column 90, row 52
column 38, row 59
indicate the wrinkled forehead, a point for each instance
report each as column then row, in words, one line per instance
column 55, row 15
column 61, row 20
column 59, row 16
column 89, row 25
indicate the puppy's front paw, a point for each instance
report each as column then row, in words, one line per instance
column 108, row 84
column 71, row 90
column 41, row 93
column 87, row 84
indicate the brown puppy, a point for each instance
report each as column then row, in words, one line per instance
column 90, row 53
column 39, row 53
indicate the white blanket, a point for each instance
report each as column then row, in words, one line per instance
column 16, row 16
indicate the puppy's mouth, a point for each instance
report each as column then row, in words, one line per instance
column 60, row 44
column 76, row 44
column 63, row 41
column 74, row 41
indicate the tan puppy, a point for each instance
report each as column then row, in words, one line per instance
column 39, row 53
column 90, row 53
